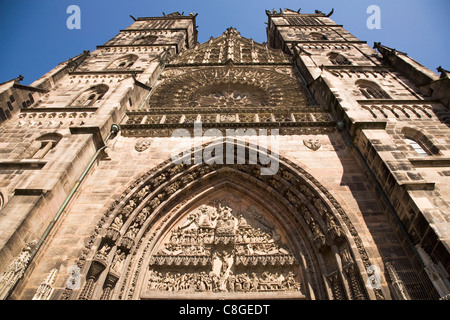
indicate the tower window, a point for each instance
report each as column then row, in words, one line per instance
column 90, row 96
column 41, row 146
column 124, row 62
column 417, row 147
column 371, row 90
column 11, row 98
column 303, row 21
column 10, row 107
column 318, row 36
column 30, row 96
column 338, row 59
column 147, row 40
column 420, row 142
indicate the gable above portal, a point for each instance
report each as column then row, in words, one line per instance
column 230, row 47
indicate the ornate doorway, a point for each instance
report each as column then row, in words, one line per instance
column 225, row 231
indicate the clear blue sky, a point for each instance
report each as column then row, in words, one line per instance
column 35, row 38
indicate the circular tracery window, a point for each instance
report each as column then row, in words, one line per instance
column 239, row 87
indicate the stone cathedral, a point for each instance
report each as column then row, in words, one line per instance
column 119, row 179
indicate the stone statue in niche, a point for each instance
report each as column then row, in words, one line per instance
column 205, row 252
column 117, row 223
column 118, row 260
column 225, row 221
column 104, row 250
column 129, row 208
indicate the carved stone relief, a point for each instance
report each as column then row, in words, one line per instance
column 215, row 249
column 313, row 144
column 142, row 145
column 226, row 87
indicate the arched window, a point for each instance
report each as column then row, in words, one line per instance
column 124, row 62
column 420, row 142
column 41, row 146
column 338, row 59
column 90, row 96
column 417, row 147
column 318, row 36
column 146, row 40
column 371, row 90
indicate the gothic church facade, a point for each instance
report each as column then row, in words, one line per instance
column 94, row 206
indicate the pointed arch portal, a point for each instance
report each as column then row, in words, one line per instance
column 225, row 232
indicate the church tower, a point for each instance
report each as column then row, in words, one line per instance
column 392, row 118
column 156, row 167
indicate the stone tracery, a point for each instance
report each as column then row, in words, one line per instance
column 227, row 87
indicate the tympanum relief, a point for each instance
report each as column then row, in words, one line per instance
column 218, row 250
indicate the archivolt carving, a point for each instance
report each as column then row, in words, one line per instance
column 131, row 245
